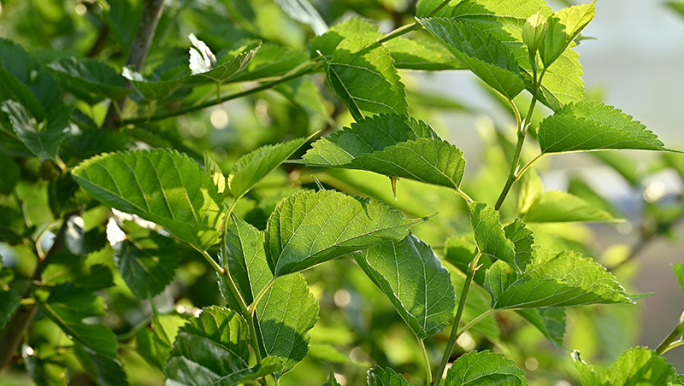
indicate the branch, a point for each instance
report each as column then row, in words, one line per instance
column 152, row 11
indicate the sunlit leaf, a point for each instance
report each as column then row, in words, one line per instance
column 484, row 368
column 412, row 277
column 309, row 228
column 557, row 206
column 161, row 186
column 377, row 376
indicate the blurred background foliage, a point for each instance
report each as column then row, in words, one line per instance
column 358, row 325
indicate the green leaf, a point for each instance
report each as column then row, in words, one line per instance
column 678, row 270
column 10, row 174
column 213, row 350
column 479, row 301
column 557, row 206
column 215, row 172
column 353, row 28
column 161, row 186
column 480, row 51
column 44, row 372
column 562, row 83
column 68, row 268
column 305, row 93
column 377, row 376
column 368, row 135
column 285, row 315
column 423, row 54
column 309, row 228
column 564, row 27
column 254, row 166
column 286, row 312
column 152, row 89
column 154, row 344
column 677, row 379
column 304, row 12
column 89, row 79
column 460, row 251
column 104, row 371
column 531, row 188
column 123, row 19
column 593, row 126
column 550, row 321
column 42, row 138
column 9, row 303
column 146, row 260
column 363, row 75
column 639, row 366
column 227, row 71
column 271, row 60
column 489, row 234
column 67, row 306
column 484, row 368
column 553, row 280
column 24, row 80
column 332, row 381
column 522, row 239
column 414, row 280
column 581, row 189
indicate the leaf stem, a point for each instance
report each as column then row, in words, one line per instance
column 464, row 195
column 527, row 166
column 403, row 30
column 523, row 125
column 217, row 101
column 260, row 295
column 671, row 341
column 472, row 267
column 476, row 321
column 426, row 358
column 211, row 261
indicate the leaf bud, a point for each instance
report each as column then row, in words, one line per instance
column 533, row 31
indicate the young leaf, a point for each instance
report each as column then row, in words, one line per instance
column 254, row 166
column 553, row 280
column 215, row 172
column 67, row 306
column 414, row 280
column 480, row 51
column 285, row 315
column 564, row 27
column 105, row 371
column 161, row 186
column 377, row 376
column 423, row 54
column 222, row 72
column 332, row 381
column 146, row 260
column 42, row 138
column 89, row 79
column 678, row 270
column 304, row 12
column 562, row 83
column 489, row 234
column 309, row 228
column 271, row 60
column 484, row 368
column 363, row 75
column 593, row 126
column 557, row 206
column 639, row 366
column 213, row 349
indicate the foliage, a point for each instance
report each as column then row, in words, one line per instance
column 140, row 247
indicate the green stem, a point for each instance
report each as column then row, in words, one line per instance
column 403, row 30
column 260, row 295
column 453, row 337
column 475, row 321
column 439, row 7
column 464, row 195
column 426, row 358
column 217, row 101
column 527, row 166
column 671, row 341
column 513, row 174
